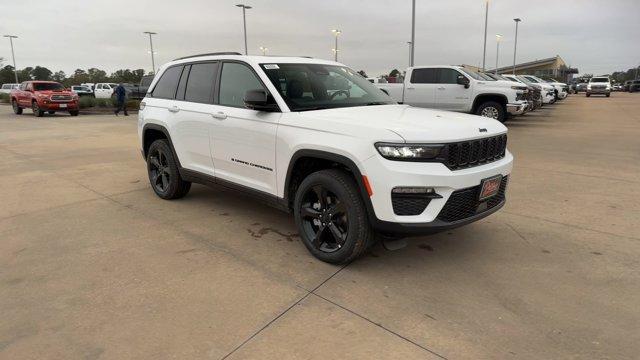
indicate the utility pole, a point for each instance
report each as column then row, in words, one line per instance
column 498, row 37
column 410, row 52
column 153, row 60
column 13, row 56
column 486, row 20
column 515, row 46
column 336, row 33
column 244, row 24
column 413, row 33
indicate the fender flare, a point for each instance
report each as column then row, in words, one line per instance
column 152, row 126
column 340, row 159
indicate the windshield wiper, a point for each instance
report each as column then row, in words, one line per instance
column 376, row 103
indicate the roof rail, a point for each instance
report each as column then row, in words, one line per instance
column 276, row 55
column 209, row 54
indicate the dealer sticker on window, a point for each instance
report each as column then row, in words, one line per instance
column 271, row 66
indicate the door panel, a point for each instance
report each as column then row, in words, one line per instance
column 420, row 90
column 449, row 94
column 243, row 140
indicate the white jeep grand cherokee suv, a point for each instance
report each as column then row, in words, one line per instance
column 314, row 138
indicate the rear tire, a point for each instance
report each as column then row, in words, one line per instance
column 51, row 112
column 331, row 217
column 36, row 109
column 164, row 175
column 16, row 109
column 492, row 109
column 588, row 94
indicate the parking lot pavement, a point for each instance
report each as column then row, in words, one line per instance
column 94, row 265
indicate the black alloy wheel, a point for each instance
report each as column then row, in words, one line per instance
column 16, row 109
column 324, row 219
column 164, row 175
column 36, row 109
column 159, row 170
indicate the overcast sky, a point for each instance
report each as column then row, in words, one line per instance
column 596, row 36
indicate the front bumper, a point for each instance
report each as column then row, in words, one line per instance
column 58, row 106
column 599, row 91
column 384, row 175
column 517, row 108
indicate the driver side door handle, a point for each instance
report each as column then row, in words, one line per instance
column 174, row 109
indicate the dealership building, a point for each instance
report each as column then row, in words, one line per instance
column 553, row 67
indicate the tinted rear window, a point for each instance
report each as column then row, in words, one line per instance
column 166, row 86
column 200, row 84
column 424, row 76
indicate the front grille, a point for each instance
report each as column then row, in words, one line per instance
column 406, row 205
column 463, row 204
column 60, row 97
column 475, row 152
column 521, row 96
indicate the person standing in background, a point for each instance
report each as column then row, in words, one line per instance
column 121, row 99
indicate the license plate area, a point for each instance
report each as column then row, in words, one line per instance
column 490, row 187
column 62, row 106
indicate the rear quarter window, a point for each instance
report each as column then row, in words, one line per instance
column 168, row 83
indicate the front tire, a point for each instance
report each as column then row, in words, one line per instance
column 36, row 109
column 16, row 109
column 164, row 175
column 74, row 112
column 331, row 217
column 492, row 109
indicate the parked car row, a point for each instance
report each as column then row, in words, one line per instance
column 631, row 85
column 461, row 89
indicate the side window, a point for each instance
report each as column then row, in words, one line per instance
column 99, row 87
column 236, row 79
column 29, row 86
column 201, row 82
column 166, row 86
column 423, row 76
column 448, row 76
column 183, row 82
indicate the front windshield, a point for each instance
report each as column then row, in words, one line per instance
column 530, row 79
column 599, row 79
column 47, row 86
column 316, row 86
column 472, row 73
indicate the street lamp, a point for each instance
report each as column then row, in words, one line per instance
column 244, row 24
column 486, row 20
column 264, row 50
column 13, row 55
column 153, row 60
column 413, row 32
column 336, row 33
column 498, row 38
column 515, row 45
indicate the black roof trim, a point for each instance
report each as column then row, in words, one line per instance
column 209, row 54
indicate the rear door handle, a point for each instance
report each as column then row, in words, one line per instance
column 219, row 115
column 440, row 88
column 174, row 109
column 410, row 88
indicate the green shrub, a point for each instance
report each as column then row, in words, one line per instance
column 86, row 102
column 133, row 104
column 103, row 103
column 4, row 98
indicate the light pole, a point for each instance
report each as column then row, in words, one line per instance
column 336, row 33
column 486, row 20
column 244, row 24
column 498, row 37
column 515, row 45
column 153, row 60
column 413, row 32
column 13, row 55
column 264, row 50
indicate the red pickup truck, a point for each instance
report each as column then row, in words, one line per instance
column 44, row 96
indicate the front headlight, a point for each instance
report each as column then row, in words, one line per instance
column 408, row 152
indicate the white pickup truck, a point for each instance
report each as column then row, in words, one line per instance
column 459, row 89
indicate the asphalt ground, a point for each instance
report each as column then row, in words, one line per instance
column 93, row 265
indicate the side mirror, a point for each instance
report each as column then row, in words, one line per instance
column 259, row 100
column 462, row 80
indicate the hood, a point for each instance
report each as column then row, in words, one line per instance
column 57, row 92
column 413, row 124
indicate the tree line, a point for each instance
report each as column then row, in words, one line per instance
column 79, row 76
